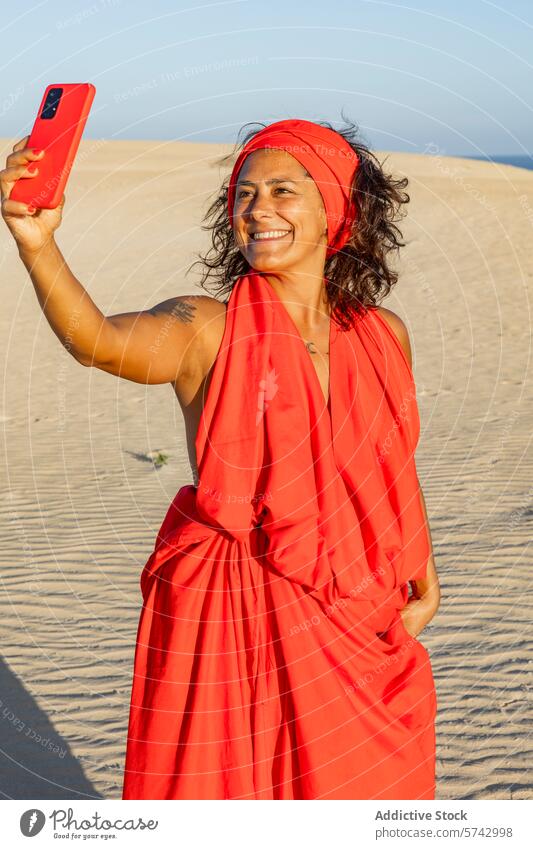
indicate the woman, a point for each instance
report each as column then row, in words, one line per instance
column 277, row 653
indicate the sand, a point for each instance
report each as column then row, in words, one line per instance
column 81, row 501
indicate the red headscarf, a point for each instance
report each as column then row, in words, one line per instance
column 329, row 159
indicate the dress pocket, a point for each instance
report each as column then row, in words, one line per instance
column 404, row 634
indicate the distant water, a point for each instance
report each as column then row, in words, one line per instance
column 518, row 161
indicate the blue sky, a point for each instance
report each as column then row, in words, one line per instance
column 457, row 76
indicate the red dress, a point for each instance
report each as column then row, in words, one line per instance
column 271, row 659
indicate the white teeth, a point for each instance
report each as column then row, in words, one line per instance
column 270, row 234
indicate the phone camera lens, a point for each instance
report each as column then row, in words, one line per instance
column 51, row 103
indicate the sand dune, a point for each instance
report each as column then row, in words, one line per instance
column 80, row 503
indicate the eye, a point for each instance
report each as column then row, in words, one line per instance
column 243, row 192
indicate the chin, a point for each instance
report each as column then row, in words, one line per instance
column 265, row 264
column 274, row 263
column 269, row 267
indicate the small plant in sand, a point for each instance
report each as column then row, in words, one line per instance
column 158, row 458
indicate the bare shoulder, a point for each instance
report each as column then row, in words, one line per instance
column 205, row 317
column 210, row 317
column 400, row 329
column 211, row 324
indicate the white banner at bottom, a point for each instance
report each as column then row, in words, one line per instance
column 267, row 824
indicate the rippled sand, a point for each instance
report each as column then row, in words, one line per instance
column 81, row 502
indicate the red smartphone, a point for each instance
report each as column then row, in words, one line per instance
column 58, row 129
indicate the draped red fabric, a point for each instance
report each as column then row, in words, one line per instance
column 271, row 658
column 329, row 159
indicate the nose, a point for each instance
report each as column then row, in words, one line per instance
column 259, row 206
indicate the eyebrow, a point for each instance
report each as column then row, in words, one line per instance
column 272, row 180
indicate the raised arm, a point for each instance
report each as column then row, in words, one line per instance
column 163, row 344
column 157, row 345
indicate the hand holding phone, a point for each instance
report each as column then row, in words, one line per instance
column 30, row 230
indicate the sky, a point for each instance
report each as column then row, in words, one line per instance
column 448, row 77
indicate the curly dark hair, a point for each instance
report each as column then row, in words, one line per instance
column 359, row 275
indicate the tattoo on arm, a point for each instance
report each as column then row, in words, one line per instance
column 183, row 311
column 180, row 309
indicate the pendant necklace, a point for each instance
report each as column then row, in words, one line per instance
column 311, row 347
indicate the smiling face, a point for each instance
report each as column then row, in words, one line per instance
column 279, row 217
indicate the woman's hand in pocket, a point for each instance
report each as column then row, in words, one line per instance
column 416, row 614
